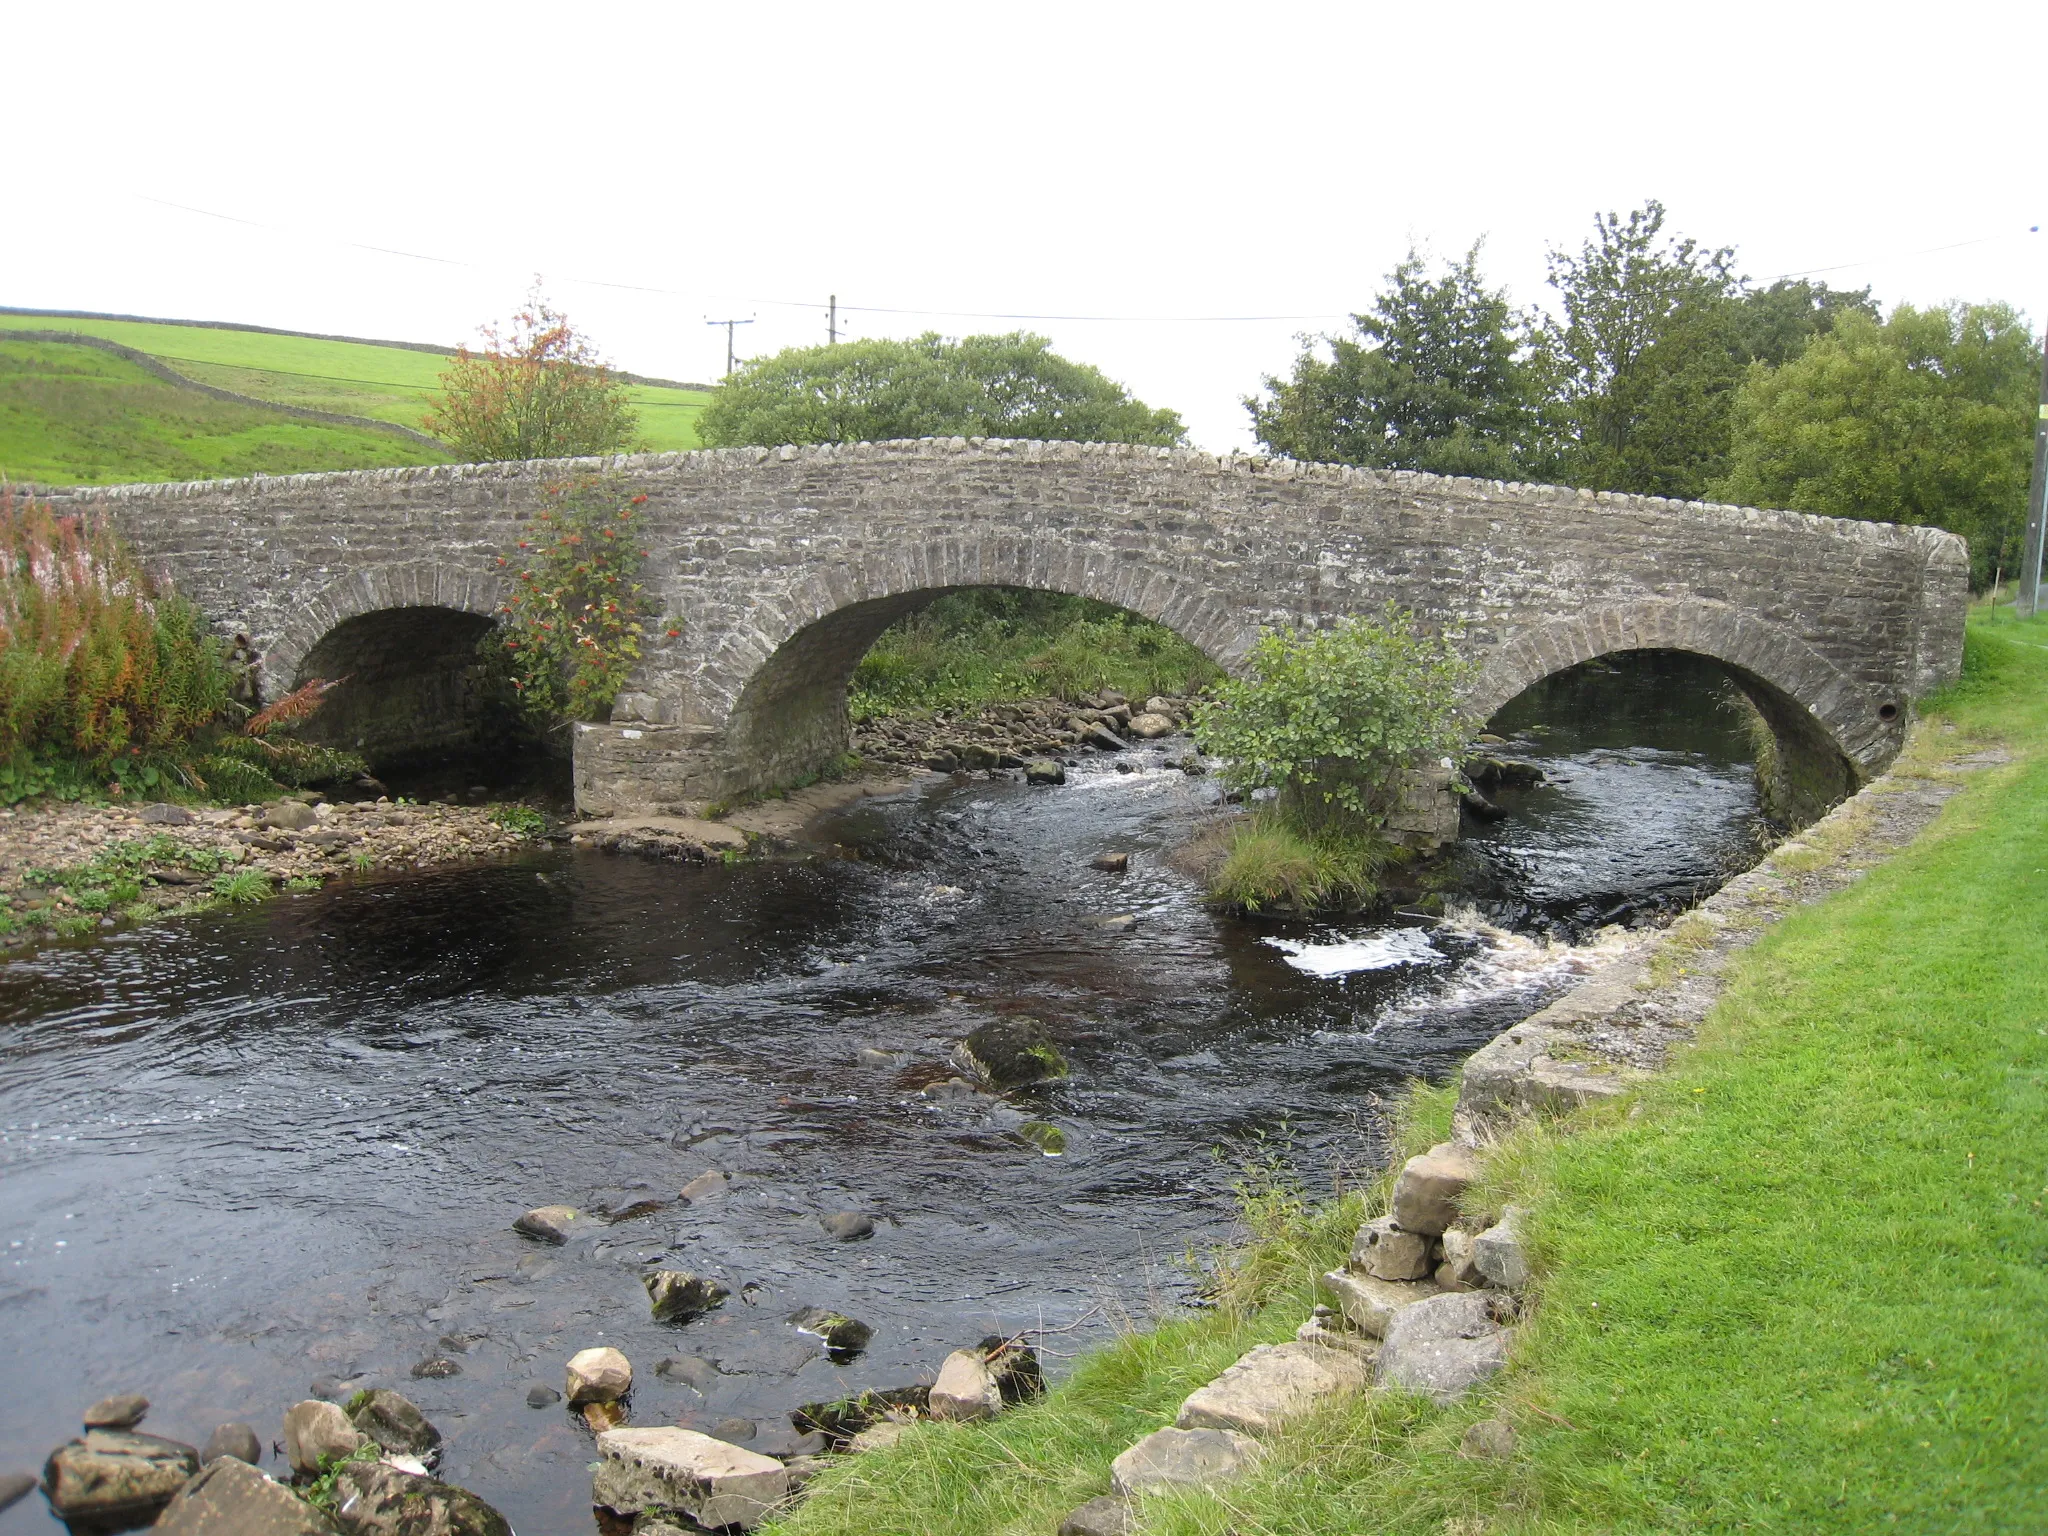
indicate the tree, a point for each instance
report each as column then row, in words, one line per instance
column 1431, row 379
column 933, row 386
column 1927, row 419
column 541, row 392
column 1638, row 363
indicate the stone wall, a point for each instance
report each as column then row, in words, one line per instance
column 786, row 563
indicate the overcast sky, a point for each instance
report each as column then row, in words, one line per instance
column 963, row 167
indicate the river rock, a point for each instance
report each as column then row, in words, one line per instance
column 1499, row 1253
column 15, row 1486
column 600, row 1375
column 1330, row 1329
column 690, row 1370
column 1271, row 1386
column 289, row 816
column 1010, row 1053
column 1426, row 1194
column 848, row 1226
column 164, row 814
column 1488, row 1440
column 372, row 1499
column 237, row 1440
column 1370, row 1304
column 232, row 1498
column 714, row 1483
column 1384, row 1251
column 541, row 1395
column 706, row 1186
column 115, row 1477
column 1443, row 1346
column 844, row 1336
column 1102, row 736
column 1105, row 1516
column 124, row 1411
column 877, row 1437
column 676, row 1295
column 1150, row 727
column 966, row 1388
column 549, row 1223
column 1044, row 770
column 1182, row 1458
column 316, row 1432
column 394, row 1423
column 435, row 1368
column 1111, row 863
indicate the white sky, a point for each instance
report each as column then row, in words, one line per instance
column 1105, row 159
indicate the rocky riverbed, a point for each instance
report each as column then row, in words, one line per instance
column 1008, row 735
column 69, row 870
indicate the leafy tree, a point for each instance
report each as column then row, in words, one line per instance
column 541, row 392
column 1431, row 379
column 1927, row 418
column 933, row 386
column 1333, row 717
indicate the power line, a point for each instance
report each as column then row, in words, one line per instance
column 730, row 327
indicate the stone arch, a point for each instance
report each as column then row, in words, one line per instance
column 786, row 672
column 1832, row 732
column 405, row 639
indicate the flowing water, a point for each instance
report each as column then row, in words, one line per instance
column 250, row 1148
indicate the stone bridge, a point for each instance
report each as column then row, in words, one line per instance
column 785, row 564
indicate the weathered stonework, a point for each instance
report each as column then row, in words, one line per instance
column 786, row 564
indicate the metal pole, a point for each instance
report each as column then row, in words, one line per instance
column 2027, row 597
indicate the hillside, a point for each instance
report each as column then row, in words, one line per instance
column 74, row 415
column 69, row 413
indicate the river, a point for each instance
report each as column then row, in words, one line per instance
column 245, row 1149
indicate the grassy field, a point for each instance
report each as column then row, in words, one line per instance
column 1800, row 1284
column 73, row 415
column 354, row 378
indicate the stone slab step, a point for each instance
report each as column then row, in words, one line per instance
column 712, row 1481
column 1272, row 1386
column 1372, row 1304
column 1182, row 1458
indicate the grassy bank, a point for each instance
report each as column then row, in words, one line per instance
column 995, row 643
column 1798, row 1284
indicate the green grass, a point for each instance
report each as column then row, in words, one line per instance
column 351, row 377
column 997, row 643
column 71, row 415
column 1799, row 1284
column 1270, row 864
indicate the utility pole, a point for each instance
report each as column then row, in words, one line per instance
column 2027, row 599
column 832, row 322
column 729, row 325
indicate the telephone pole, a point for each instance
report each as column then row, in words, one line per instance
column 2027, row 600
column 729, row 327
column 832, row 321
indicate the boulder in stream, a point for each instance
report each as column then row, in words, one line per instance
column 711, row 1481
column 123, row 1411
column 848, row 1226
column 232, row 1498
column 844, row 1336
column 373, row 1499
column 676, row 1295
column 600, row 1375
column 317, row 1432
column 1010, row 1053
column 116, row 1478
column 549, row 1223
column 394, row 1423
column 1044, row 770
column 237, row 1440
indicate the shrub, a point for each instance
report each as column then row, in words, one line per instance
column 573, row 623
column 1333, row 718
column 540, row 393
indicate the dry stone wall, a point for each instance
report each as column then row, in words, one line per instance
column 785, row 564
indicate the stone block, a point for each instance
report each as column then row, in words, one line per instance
column 1500, row 1254
column 1271, row 1386
column 1182, row 1458
column 124, row 1411
column 711, row 1481
column 1443, row 1346
column 1386, row 1252
column 1457, row 1271
column 373, row 1498
column 232, row 1498
column 676, row 1295
column 394, row 1423
column 1427, row 1192
column 1369, row 1304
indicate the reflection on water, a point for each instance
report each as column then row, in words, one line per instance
column 250, row 1148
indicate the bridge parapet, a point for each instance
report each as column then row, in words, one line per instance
column 786, row 563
